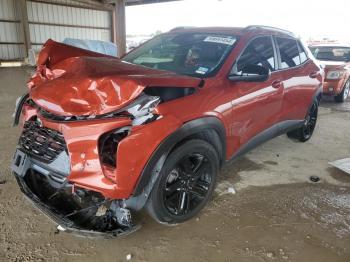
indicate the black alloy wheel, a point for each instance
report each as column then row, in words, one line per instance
column 310, row 122
column 185, row 184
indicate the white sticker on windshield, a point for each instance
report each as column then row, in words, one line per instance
column 220, row 40
column 202, row 70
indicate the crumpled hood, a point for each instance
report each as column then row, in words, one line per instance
column 87, row 85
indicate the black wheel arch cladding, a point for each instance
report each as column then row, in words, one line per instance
column 210, row 129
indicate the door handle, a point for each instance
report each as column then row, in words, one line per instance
column 314, row 74
column 277, row 84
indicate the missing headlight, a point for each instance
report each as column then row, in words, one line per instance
column 108, row 144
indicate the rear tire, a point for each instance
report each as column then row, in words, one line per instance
column 344, row 94
column 305, row 132
column 185, row 184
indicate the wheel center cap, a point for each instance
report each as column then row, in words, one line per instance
column 307, row 120
column 186, row 184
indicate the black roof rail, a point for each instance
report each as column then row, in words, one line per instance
column 181, row 27
column 252, row 27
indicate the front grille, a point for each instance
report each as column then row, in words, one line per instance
column 40, row 142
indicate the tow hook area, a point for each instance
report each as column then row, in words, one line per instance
column 114, row 221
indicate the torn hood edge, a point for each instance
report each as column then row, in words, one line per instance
column 71, row 81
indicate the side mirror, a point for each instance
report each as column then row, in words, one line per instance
column 252, row 73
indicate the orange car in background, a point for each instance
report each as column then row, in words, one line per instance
column 335, row 60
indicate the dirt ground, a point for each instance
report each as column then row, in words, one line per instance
column 276, row 214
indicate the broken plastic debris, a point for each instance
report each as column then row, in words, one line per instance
column 101, row 211
column 314, row 179
column 61, row 228
column 231, row 190
column 270, row 254
column 224, row 188
column 342, row 164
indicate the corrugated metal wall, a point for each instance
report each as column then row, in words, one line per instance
column 55, row 19
column 58, row 22
column 11, row 32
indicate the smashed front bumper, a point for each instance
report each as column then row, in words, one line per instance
column 72, row 210
column 333, row 87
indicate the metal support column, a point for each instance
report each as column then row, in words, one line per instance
column 119, row 26
column 22, row 4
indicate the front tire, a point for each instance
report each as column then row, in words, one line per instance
column 185, row 184
column 344, row 94
column 305, row 132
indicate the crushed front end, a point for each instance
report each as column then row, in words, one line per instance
column 89, row 126
column 81, row 171
column 41, row 165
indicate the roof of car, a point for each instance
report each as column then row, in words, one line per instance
column 253, row 29
column 331, row 45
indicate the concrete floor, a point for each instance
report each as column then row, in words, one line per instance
column 276, row 214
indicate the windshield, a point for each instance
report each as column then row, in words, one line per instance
column 329, row 53
column 194, row 54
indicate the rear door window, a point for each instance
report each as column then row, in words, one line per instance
column 289, row 52
column 302, row 53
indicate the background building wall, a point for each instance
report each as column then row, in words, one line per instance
column 11, row 31
column 55, row 19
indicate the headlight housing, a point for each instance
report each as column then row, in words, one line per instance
column 335, row 74
column 107, row 147
column 141, row 110
column 108, row 144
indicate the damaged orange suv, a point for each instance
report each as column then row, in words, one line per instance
column 104, row 137
column 336, row 62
